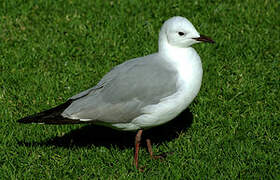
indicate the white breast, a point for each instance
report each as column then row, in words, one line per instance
column 190, row 72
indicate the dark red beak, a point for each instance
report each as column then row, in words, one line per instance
column 203, row 38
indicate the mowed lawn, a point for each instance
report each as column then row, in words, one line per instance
column 51, row 50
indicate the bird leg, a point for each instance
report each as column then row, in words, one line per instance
column 149, row 146
column 137, row 146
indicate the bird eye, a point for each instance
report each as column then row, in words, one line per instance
column 181, row 33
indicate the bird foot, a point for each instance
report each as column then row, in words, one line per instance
column 162, row 155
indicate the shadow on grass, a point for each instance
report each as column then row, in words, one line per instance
column 103, row 136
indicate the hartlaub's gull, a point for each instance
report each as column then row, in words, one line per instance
column 140, row 93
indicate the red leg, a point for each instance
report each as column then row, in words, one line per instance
column 149, row 145
column 137, row 146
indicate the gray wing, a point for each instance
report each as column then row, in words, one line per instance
column 125, row 90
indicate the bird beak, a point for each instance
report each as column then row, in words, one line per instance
column 203, row 38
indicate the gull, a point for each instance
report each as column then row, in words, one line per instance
column 140, row 93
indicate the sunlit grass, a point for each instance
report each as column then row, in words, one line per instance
column 51, row 50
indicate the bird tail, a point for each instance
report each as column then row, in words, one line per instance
column 51, row 116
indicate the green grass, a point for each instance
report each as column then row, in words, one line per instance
column 51, row 50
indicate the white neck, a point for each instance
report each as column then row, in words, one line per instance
column 185, row 60
column 168, row 50
column 176, row 54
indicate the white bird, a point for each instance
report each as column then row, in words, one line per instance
column 140, row 93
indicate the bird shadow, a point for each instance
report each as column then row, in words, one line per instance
column 103, row 136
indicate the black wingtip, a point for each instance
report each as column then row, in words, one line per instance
column 30, row 119
column 51, row 116
column 25, row 120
